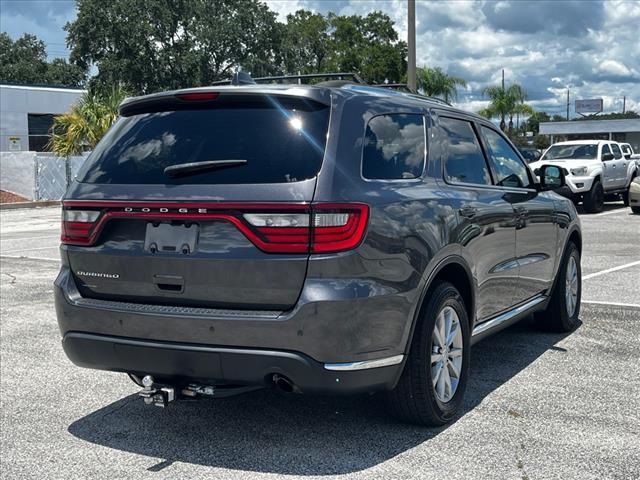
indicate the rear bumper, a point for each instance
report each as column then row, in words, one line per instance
column 337, row 339
column 173, row 362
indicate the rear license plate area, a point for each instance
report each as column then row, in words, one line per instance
column 169, row 238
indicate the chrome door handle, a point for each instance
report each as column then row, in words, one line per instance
column 468, row 212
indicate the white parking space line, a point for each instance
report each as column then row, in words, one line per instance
column 609, row 270
column 22, row 239
column 33, row 248
column 32, row 258
column 614, row 304
column 610, row 212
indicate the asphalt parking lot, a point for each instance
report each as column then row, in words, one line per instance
column 539, row 405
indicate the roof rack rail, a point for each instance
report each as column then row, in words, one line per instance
column 339, row 75
column 396, row 86
column 306, row 76
column 404, row 86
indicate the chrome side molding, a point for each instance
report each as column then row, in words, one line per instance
column 365, row 364
column 494, row 322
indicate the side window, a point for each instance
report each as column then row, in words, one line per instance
column 507, row 166
column 463, row 158
column 394, row 147
column 605, row 149
column 616, row 151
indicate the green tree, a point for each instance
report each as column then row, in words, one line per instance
column 368, row 46
column 25, row 61
column 152, row 45
column 506, row 102
column 436, row 83
column 305, row 45
column 82, row 127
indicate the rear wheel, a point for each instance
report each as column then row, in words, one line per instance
column 432, row 385
column 594, row 198
column 636, row 210
column 564, row 307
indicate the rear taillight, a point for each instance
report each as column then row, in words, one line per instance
column 273, row 228
column 78, row 226
column 333, row 228
column 337, row 227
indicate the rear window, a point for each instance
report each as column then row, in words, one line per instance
column 282, row 140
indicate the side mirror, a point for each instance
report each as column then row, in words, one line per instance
column 551, row 177
column 607, row 156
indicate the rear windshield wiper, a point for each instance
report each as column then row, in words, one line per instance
column 195, row 168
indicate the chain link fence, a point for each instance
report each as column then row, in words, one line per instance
column 38, row 176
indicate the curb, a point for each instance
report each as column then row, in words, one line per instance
column 16, row 205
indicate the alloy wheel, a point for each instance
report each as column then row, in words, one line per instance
column 571, row 286
column 446, row 354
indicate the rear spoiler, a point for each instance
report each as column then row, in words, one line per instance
column 188, row 98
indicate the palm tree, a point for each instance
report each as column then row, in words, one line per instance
column 506, row 102
column 434, row 82
column 82, row 127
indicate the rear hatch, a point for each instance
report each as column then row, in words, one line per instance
column 230, row 230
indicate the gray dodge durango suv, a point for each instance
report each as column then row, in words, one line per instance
column 335, row 238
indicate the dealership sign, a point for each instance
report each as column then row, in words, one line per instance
column 589, row 106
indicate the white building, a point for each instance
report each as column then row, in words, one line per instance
column 624, row 130
column 26, row 114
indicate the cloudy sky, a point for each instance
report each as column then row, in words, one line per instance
column 590, row 46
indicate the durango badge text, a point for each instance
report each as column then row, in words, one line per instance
column 97, row 274
column 334, row 238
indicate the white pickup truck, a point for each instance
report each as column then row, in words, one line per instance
column 596, row 169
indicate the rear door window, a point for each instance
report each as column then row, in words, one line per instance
column 281, row 139
column 394, row 147
column 616, row 151
column 464, row 161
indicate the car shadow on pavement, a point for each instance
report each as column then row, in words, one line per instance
column 269, row 432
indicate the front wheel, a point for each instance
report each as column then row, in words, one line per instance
column 562, row 313
column 594, row 198
column 432, row 384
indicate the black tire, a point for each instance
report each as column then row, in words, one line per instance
column 594, row 198
column 636, row 210
column 414, row 398
column 556, row 317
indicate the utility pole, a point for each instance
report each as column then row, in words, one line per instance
column 411, row 42
column 624, row 104
column 502, row 123
column 567, row 104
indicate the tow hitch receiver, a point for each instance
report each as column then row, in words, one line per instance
column 152, row 395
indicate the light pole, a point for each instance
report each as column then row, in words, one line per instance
column 411, row 42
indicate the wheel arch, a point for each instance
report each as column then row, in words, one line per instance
column 455, row 270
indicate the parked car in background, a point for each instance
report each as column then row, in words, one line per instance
column 634, row 195
column 628, row 152
column 530, row 154
column 596, row 170
column 229, row 238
